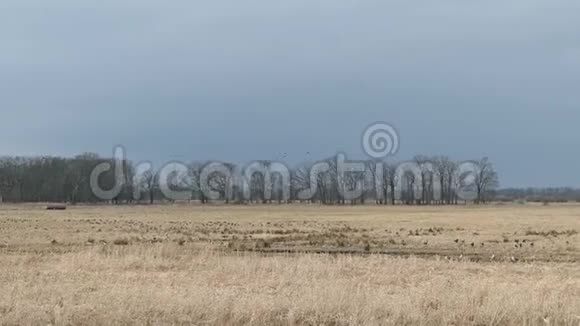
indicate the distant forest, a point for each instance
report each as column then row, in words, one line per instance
column 67, row 180
column 546, row 195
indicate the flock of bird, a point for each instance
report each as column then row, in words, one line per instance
column 517, row 243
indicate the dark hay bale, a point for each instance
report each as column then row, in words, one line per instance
column 56, row 207
column 121, row 242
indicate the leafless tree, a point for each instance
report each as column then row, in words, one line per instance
column 376, row 178
column 195, row 181
column 258, row 188
column 427, row 170
column 421, row 160
column 350, row 181
column 224, row 183
column 486, row 179
column 446, row 173
column 66, row 179
column 74, row 179
column 300, row 180
column 328, row 186
column 408, row 192
column 391, row 181
column 150, row 182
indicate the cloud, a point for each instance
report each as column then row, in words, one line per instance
column 243, row 79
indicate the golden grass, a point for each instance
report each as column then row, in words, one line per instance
column 179, row 265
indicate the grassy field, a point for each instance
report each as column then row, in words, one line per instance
column 286, row 265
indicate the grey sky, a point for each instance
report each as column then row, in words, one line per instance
column 242, row 80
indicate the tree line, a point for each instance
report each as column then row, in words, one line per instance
column 424, row 180
column 544, row 195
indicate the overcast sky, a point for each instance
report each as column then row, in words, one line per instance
column 241, row 80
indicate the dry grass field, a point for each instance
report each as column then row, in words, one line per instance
column 287, row 265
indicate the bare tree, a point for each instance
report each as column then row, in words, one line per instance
column 486, row 179
column 74, row 180
column 410, row 181
column 446, row 172
column 300, row 180
column 67, row 179
column 195, row 169
column 222, row 182
column 350, row 181
column 328, row 184
column 427, row 170
column 150, row 182
column 451, row 174
column 391, row 180
column 258, row 188
column 376, row 171
column 421, row 160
